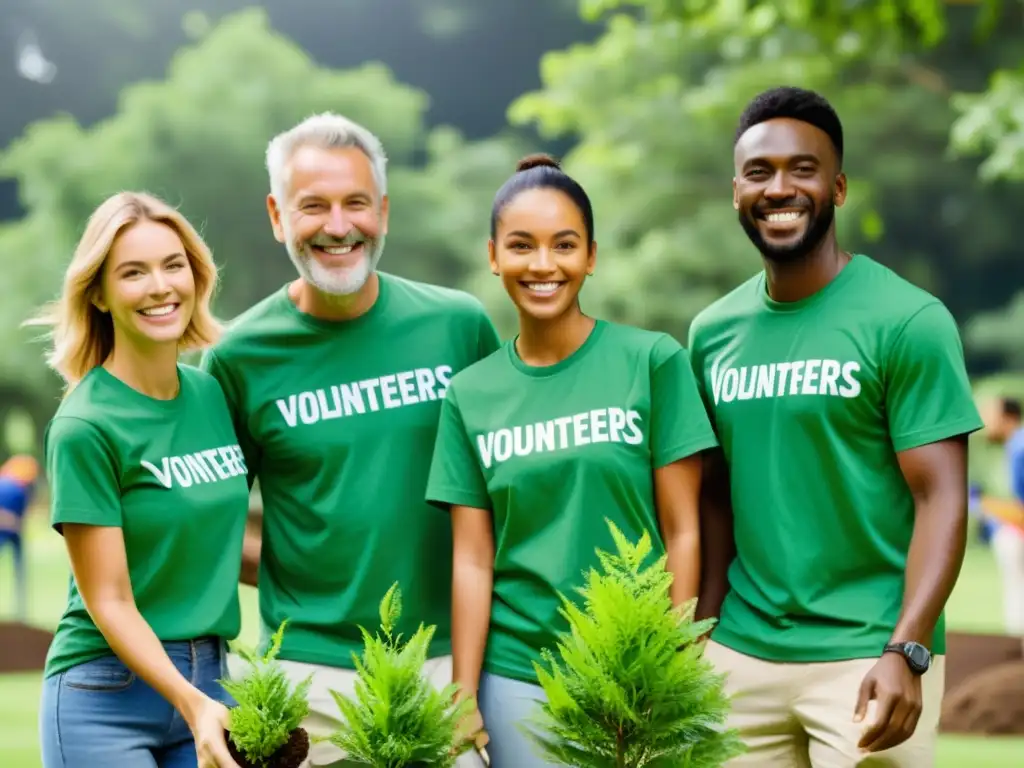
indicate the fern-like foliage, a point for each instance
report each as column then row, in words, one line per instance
column 268, row 707
column 631, row 688
column 396, row 718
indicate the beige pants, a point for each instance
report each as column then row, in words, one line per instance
column 801, row 715
column 323, row 719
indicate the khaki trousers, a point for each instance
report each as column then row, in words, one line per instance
column 801, row 715
column 324, row 717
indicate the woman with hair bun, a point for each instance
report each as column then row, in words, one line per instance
column 574, row 420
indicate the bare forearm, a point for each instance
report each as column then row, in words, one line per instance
column 718, row 549
column 683, row 553
column 933, row 565
column 133, row 641
column 471, row 618
column 251, row 549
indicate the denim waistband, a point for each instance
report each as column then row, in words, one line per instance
column 200, row 648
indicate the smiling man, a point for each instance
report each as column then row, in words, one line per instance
column 336, row 382
column 833, row 521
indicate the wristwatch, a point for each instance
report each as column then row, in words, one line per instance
column 918, row 657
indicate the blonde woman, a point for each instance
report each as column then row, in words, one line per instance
column 149, row 490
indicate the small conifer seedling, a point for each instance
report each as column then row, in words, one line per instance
column 265, row 729
column 631, row 688
column 396, row 718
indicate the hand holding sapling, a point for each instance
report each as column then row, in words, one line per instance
column 208, row 721
column 266, row 725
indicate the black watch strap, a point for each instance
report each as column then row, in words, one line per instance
column 918, row 657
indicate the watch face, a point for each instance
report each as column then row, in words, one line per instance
column 918, row 655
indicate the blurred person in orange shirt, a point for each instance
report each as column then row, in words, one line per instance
column 18, row 477
column 1003, row 426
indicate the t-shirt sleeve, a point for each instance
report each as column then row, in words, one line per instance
column 250, row 450
column 696, row 357
column 455, row 474
column 679, row 421
column 487, row 336
column 83, row 473
column 928, row 394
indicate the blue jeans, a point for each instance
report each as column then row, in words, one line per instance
column 507, row 707
column 99, row 713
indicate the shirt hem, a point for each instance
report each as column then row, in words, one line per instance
column 500, row 670
column 56, row 667
column 80, row 516
column 447, row 496
column 437, row 649
column 963, row 426
column 821, row 653
column 684, row 451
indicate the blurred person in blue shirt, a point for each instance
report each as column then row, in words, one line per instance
column 18, row 477
column 1003, row 426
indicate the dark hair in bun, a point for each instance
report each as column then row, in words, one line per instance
column 541, row 171
column 539, row 160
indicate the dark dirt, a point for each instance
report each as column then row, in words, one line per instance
column 290, row 755
column 991, row 702
column 984, row 685
column 24, row 647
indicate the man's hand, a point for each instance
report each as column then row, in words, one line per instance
column 897, row 693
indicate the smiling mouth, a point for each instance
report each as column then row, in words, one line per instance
column 336, row 250
column 160, row 311
column 783, row 217
column 542, row 289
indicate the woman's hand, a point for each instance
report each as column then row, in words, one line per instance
column 471, row 728
column 208, row 724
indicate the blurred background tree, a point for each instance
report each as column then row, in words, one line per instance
column 640, row 98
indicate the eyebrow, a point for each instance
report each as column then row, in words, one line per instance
column 309, row 197
column 803, row 158
column 137, row 264
column 561, row 233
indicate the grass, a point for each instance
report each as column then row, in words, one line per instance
column 974, row 607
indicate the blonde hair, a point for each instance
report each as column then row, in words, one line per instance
column 82, row 336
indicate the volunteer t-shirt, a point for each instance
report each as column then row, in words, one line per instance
column 812, row 400
column 552, row 452
column 171, row 476
column 338, row 421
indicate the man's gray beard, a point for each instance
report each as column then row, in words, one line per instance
column 336, row 282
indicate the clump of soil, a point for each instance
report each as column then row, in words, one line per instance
column 24, row 647
column 289, row 755
column 989, row 702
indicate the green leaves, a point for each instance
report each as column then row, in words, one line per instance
column 268, row 707
column 390, row 609
column 629, row 687
column 396, row 718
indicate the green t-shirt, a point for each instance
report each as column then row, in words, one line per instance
column 553, row 451
column 337, row 420
column 811, row 401
column 171, row 475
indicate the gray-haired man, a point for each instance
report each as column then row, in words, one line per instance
column 336, row 381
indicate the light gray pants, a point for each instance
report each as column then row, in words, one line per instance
column 507, row 706
column 324, row 716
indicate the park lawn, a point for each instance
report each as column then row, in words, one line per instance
column 974, row 607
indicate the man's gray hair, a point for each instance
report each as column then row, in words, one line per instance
column 326, row 131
